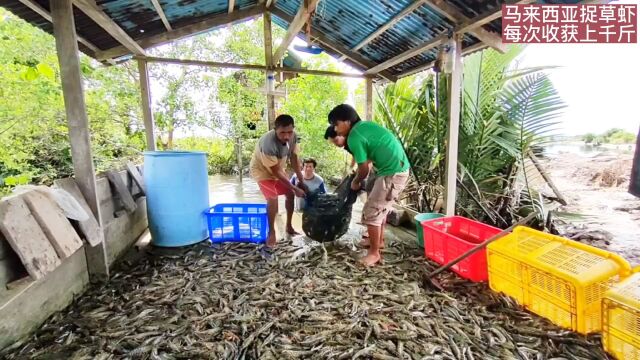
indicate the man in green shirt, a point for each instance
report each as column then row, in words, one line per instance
column 369, row 141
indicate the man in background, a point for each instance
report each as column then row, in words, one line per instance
column 369, row 141
column 313, row 181
column 267, row 168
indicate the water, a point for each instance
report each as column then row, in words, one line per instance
column 586, row 150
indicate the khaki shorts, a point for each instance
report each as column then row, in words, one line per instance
column 385, row 191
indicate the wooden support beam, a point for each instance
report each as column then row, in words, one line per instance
column 92, row 10
column 145, row 102
column 301, row 18
column 368, row 101
column 186, row 31
column 358, row 60
column 163, row 17
column 438, row 40
column 455, row 94
column 78, row 123
column 394, row 20
column 452, row 13
column 31, row 4
column 232, row 4
column 268, row 60
column 466, row 51
column 256, row 67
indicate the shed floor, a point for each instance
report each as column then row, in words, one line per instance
column 234, row 301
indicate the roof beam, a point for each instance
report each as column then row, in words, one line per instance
column 401, row 15
column 452, row 13
column 460, row 29
column 160, row 12
column 92, row 10
column 232, row 4
column 303, row 15
column 466, row 51
column 360, row 62
column 246, row 66
column 47, row 16
column 185, row 31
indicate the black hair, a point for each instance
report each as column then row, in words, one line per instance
column 343, row 112
column 311, row 161
column 284, row 120
column 330, row 133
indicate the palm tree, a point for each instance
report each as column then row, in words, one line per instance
column 505, row 112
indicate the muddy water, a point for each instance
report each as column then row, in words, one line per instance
column 611, row 209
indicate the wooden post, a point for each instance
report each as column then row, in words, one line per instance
column 239, row 156
column 270, row 76
column 368, row 102
column 145, row 101
column 78, row 123
column 455, row 89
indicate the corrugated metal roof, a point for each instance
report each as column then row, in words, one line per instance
column 342, row 23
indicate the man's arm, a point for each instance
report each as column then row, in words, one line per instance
column 361, row 174
column 279, row 173
column 295, row 164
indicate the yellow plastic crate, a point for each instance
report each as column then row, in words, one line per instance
column 557, row 278
column 621, row 319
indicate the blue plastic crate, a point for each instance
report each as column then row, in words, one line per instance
column 238, row 223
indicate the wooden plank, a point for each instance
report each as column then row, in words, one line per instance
column 232, row 4
column 24, row 308
column 92, row 10
column 186, row 31
column 453, row 129
column 26, row 237
column 54, row 224
column 456, row 16
column 358, row 60
column 438, row 40
column 122, row 191
column 268, row 60
column 19, row 283
column 161, row 13
column 301, row 18
column 145, row 102
column 78, row 125
column 466, row 51
column 136, row 176
column 90, row 227
column 368, row 102
column 386, row 26
column 256, row 67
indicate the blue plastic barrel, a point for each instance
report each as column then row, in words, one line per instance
column 177, row 195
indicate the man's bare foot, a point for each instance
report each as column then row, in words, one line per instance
column 370, row 259
column 366, row 243
column 291, row 231
column 271, row 240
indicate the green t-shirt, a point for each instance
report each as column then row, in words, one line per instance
column 370, row 141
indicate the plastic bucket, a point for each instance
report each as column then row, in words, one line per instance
column 418, row 220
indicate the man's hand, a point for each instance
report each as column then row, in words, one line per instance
column 299, row 192
column 355, row 184
column 303, row 186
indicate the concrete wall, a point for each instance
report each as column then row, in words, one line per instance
column 29, row 303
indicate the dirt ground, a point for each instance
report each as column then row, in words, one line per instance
column 596, row 187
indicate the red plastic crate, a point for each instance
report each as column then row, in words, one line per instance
column 449, row 237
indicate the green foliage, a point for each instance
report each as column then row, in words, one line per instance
column 221, row 157
column 34, row 145
column 589, row 138
column 504, row 114
column 309, row 101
